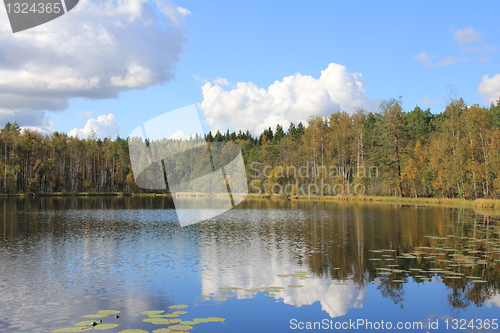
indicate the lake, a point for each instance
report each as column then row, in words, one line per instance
column 265, row 266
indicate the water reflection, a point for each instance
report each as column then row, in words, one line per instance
column 254, row 254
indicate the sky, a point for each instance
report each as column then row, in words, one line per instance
column 109, row 66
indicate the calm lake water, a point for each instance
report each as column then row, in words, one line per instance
column 336, row 264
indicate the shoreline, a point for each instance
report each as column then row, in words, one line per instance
column 484, row 206
column 85, row 194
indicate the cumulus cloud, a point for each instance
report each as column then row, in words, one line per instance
column 103, row 127
column 99, row 49
column 294, row 99
column 490, row 88
column 180, row 135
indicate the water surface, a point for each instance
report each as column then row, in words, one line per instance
column 334, row 262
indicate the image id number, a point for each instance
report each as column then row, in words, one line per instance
column 462, row 324
column 41, row 7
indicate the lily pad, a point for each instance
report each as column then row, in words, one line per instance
column 84, row 323
column 135, row 330
column 181, row 328
column 227, row 296
column 295, row 286
column 180, row 306
column 270, row 295
column 216, row 319
column 95, row 315
column 252, row 290
column 225, row 291
column 189, row 322
column 162, row 330
column 179, row 312
column 72, row 329
column 207, row 295
column 109, row 311
column 147, row 313
column 201, row 320
column 171, row 315
column 102, row 327
column 161, row 320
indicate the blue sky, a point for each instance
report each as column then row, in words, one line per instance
column 416, row 50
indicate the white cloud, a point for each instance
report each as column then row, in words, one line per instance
column 180, row 135
column 221, row 81
column 200, row 79
column 467, row 35
column 426, row 101
column 424, row 58
column 490, row 88
column 447, row 61
column 137, row 77
column 427, row 60
column 469, row 41
column 494, row 300
column 294, row 99
column 44, row 130
column 103, row 126
column 97, row 50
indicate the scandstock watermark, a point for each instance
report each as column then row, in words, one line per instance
column 292, row 180
column 204, row 178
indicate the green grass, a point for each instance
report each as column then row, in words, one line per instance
column 478, row 204
column 396, row 200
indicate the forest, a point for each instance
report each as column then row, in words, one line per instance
column 453, row 154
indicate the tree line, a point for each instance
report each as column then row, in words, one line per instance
column 453, row 154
